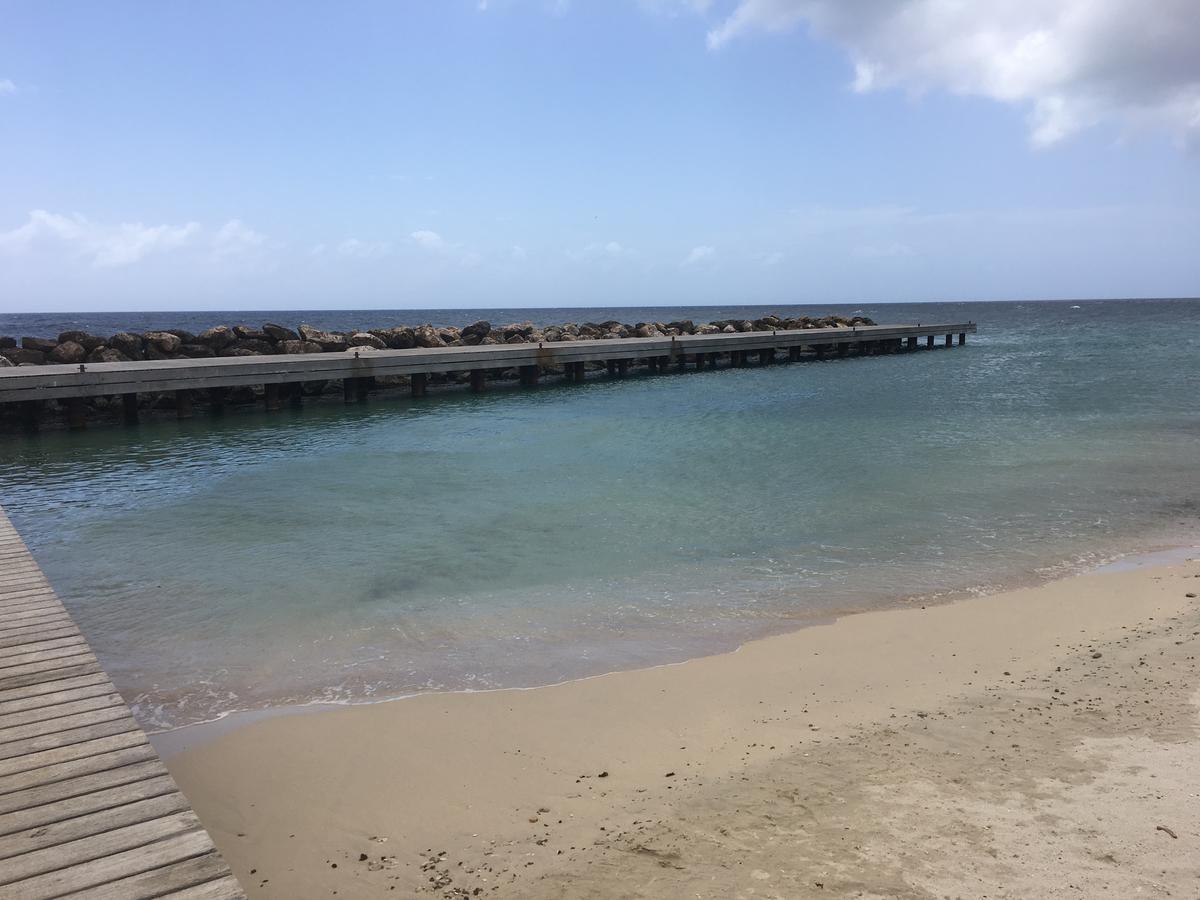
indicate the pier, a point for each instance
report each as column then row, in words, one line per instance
column 277, row 374
column 87, row 809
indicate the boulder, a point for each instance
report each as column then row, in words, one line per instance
column 22, row 357
column 240, row 351
column 106, row 355
column 398, row 338
column 185, row 337
column 88, row 342
column 728, row 329
column 450, row 334
column 706, row 329
column 329, row 340
column 683, row 326
column 255, row 345
column 7, row 342
column 67, row 353
column 298, row 347
column 197, row 351
column 279, row 333
column 366, row 339
column 5, row 362
column 476, row 332
column 246, row 333
column 426, row 336
column 218, row 337
column 162, row 341
column 646, row 331
column 40, row 344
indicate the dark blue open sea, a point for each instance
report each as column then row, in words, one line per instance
column 527, row 536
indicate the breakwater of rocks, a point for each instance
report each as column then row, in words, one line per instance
column 73, row 347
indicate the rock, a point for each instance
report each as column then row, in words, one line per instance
column 129, row 344
column 329, row 340
column 298, row 347
column 449, row 335
column 21, row 357
column 241, row 351
column 683, row 326
column 255, row 345
column 399, row 338
column 5, row 362
column 218, row 337
column 427, row 337
column 107, row 355
column 246, row 333
column 7, row 343
column 67, row 353
column 88, row 342
column 366, row 339
column 646, row 331
column 197, row 351
column 279, row 333
column 185, row 337
column 163, row 341
column 728, row 329
column 476, row 332
column 39, row 344
column 706, row 329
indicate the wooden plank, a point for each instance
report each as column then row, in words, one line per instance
column 12, row 687
column 52, row 693
column 93, row 759
column 7, row 653
column 106, row 845
column 57, row 711
column 11, row 674
column 77, row 828
column 198, row 878
column 103, row 870
column 47, row 604
column 25, row 734
column 56, row 628
column 57, row 740
column 89, row 802
column 31, row 656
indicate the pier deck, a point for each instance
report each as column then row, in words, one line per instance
column 72, row 382
column 87, row 809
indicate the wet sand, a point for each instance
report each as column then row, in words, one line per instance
column 1043, row 742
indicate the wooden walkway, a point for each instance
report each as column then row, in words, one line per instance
column 87, row 809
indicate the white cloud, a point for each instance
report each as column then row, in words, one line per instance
column 698, row 254
column 106, row 246
column 773, row 258
column 672, row 8
column 1072, row 63
column 610, row 250
column 236, row 239
column 429, row 240
column 519, row 253
column 7, row 87
column 353, row 248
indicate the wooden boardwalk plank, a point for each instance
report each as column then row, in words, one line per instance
column 86, row 806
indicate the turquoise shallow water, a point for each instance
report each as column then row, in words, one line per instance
column 529, row 536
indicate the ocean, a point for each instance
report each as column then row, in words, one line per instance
column 529, row 536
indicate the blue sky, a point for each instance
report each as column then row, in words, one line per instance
column 527, row 153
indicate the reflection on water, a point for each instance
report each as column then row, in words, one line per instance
column 527, row 536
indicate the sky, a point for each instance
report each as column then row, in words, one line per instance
column 509, row 153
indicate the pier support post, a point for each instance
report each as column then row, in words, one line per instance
column 962, row 338
column 361, row 387
column 929, row 342
column 912, row 343
column 737, row 358
column 183, row 404
column 294, row 393
column 794, row 352
column 31, row 415
column 271, row 397
column 611, row 366
column 820, row 348
column 579, row 373
column 419, row 384
column 681, row 362
column 76, row 413
column 699, row 362
column 843, row 349
column 622, row 368
column 349, row 388
column 129, row 409
column 949, row 340
column 529, row 376
column 216, row 400
column 478, row 382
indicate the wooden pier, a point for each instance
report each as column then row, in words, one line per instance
column 356, row 368
column 87, row 809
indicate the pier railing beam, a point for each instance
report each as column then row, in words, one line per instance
column 129, row 409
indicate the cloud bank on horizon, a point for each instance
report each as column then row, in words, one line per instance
column 1077, row 63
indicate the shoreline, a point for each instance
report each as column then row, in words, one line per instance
column 176, row 739
column 473, row 772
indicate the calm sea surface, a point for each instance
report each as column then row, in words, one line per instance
column 529, row 536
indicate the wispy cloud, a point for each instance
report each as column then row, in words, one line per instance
column 610, row 250
column 7, row 87
column 698, row 254
column 105, row 246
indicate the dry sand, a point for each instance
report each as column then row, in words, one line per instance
column 1037, row 743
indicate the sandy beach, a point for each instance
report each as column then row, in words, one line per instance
column 1042, row 742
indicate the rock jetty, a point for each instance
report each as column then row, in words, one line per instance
column 73, row 347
